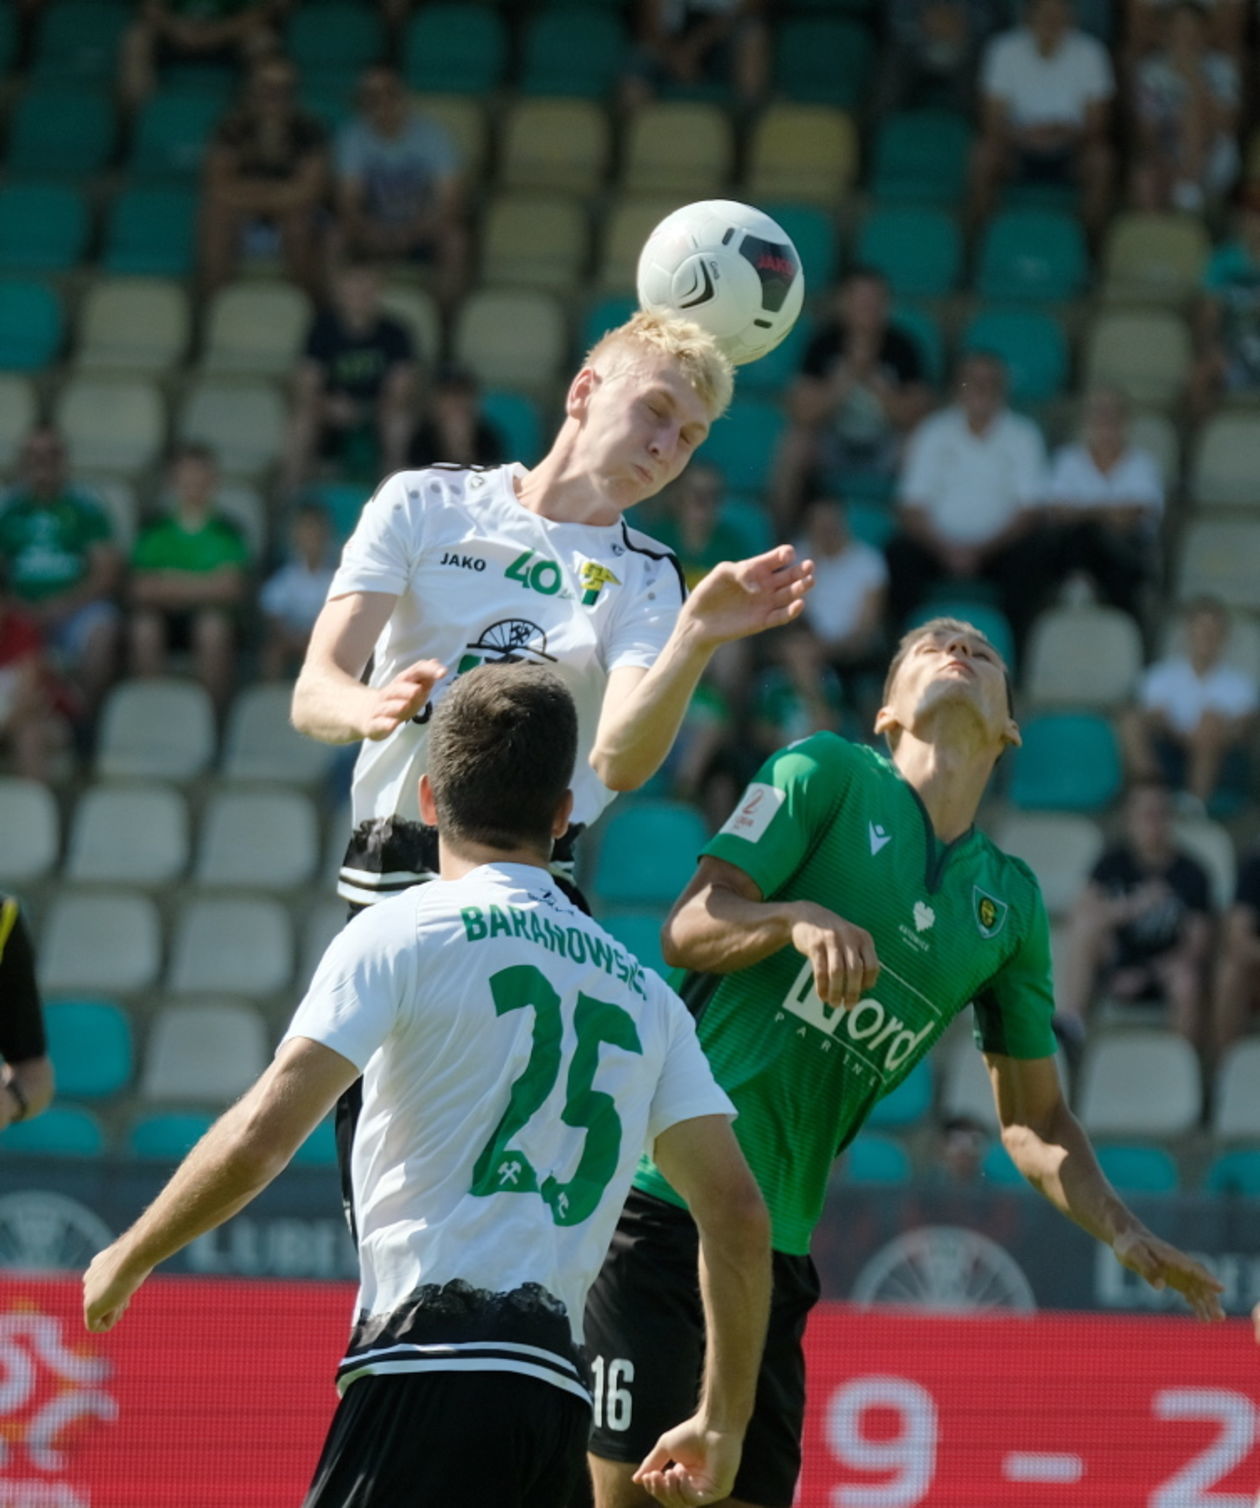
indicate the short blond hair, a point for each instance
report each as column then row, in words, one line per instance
column 704, row 365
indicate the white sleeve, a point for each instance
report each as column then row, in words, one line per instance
column 1100, row 80
column 686, row 1087
column 1154, row 689
column 645, row 618
column 994, row 70
column 380, row 554
column 1030, row 466
column 1235, row 694
column 362, row 983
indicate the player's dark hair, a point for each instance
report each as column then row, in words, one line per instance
column 501, row 755
column 928, row 630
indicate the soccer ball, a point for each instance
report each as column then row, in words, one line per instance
column 730, row 268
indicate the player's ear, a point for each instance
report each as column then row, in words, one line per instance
column 563, row 813
column 580, row 390
column 885, row 719
column 428, row 807
column 1011, row 736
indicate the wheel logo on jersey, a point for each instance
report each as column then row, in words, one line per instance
column 990, row 912
column 509, row 640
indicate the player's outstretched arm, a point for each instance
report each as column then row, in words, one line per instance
column 234, row 1161
column 1049, row 1147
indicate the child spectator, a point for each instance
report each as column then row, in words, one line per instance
column 292, row 597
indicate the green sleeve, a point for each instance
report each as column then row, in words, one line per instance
column 1014, row 1010
column 777, row 821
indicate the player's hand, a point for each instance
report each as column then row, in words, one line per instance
column 1163, row 1266
column 108, row 1286
column 691, row 1464
column 843, row 956
column 742, row 597
column 403, row 697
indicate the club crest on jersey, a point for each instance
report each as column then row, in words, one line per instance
column 990, row 912
column 594, row 578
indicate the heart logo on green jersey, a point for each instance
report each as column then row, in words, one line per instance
column 990, row 913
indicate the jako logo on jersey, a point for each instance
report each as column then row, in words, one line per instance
column 752, row 816
column 869, row 1023
column 990, row 912
column 879, row 836
column 594, row 577
column 924, row 916
column 462, row 562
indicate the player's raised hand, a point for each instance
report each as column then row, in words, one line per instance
column 109, row 1285
column 402, row 698
column 1163, row 1266
column 843, row 956
column 742, row 597
column 691, row 1464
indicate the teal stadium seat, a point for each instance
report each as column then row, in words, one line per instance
column 319, row 1150
column 31, row 325
column 516, row 418
column 743, row 443
column 334, row 38
column 925, row 330
column 1068, row 761
column 78, row 41
column 343, row 502
column 640, row 933
column 1235, row 1173
column 750, row 520
column 648, row 852
column 572, row 50
column 823, row 61
column 218, row 80
column 918, row 250
column 43, row 227
column 1139, row 1169
column 997, row 1169
column 909, row 1103
column 57, row 131
column 329, row 99
column 152, row 232
column 603, row 315
column 167, row 1135
column 172, row 133
column 455, row 47
column 1032, row 344
column 872, row 1158
column 921, row 157
column 774, row 372
column 61, row 1131
column 1032, row 255
column 91, row 1047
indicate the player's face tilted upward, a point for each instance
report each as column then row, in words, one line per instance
column 952, row 671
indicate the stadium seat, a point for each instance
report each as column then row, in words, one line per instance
column 1059, row 847
column 647, row 852
column 639, row 932
column 229, row 945
column 1158, row 434
column 603, row 315
column 743, row 443
column 156, row 729
column 61, row 1131
column 118, row 498
column 319, row 926
column 1032, row 256
column 151, row 231
column 924, row 329
column 465, row 120
column 167, row 1135
column 129, row 835
column 919, row 250
column 1033, row 346
column 334, row 37
column 804, row 152
column 1225, row 471
column 319, row 1150
column 998, row 1171
column 559, row 144
column 58, row 131
column 242, row 420
column 1083, row 656
column 872, row 1158
column 749, row 519
column 770, row 375
column 342, row 501
column 77, row 41
column 517, row 419
column 572, row 50
column 823, row 61
column 91, row 942
column 133, row 324
column 206, row 1053
column 90, row 1043
column 247, row 508
column 910, row 1102
column 681, row 147
column 1218, row 558
column 627, row 226
column 417, row 309
column 1137, row 1169
column 921, row 157
column 966, row 1089
column 512, row 339
column 1212, row 845
column 1153, row 258
column 31, row 825
column 1235, row 1173
column 1139, row 1083
column 814, row 234
column 336, row 837
column 257, row 840
column 112, row 424
column 1145, row 353
column 172, row 132
column 255, row 329
column 1236, row 1101
column 260, row 742
column 455, row 46
column 1069, row 761
column 43, row 227
column 30, row 325
column 18, row 411
column 535, row 240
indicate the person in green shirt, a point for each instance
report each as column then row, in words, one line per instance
column 189, row 573
column 848, row 911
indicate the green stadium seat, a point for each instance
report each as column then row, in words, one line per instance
column 774, row 372
column 43, row 227
column 78, row 41
column 319, row 1150
column 924, row 329
column 743, row 443
column 517, row 419
column 57, row 131
column 91, row 1047
column 910, row 1102
column 343, row 501
column 872, row 1158
column 335, row 37
column 152, row 232
column 1069, row 761
column 921, row 157
column 455, row 47
column 1032, row 344
column 1032, row 255
column 823, row 61
column 61, row 1131
column 30, row 325
column 919, row 251
column 604, row 315
column 172, row 133
column 640, row 933
column 1236, row 1172
column 218, row 80
column 871, row 522
column 647, row 853
column 330, row 99
column 1138, row 1169
column 570, row 50
column 997, row 1169
column 167, row 1135
column 749, row 518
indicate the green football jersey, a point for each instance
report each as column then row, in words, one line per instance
column 953, row 923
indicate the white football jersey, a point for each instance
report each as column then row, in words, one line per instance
column 516, row 1060
column 479, row 577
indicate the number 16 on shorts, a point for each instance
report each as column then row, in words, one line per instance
column 614, row 1402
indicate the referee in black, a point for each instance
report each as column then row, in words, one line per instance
column 26, row 1076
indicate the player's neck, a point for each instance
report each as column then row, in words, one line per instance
column 559, row 489
column 455, row 863
column 950, row 779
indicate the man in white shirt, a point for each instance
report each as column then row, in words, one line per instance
column 516, row 1061
column 1046, row 92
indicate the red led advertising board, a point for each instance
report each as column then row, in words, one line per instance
column 216, row 1394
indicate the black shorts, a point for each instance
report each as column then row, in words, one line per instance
column 645, row 1344
column 419, row 1440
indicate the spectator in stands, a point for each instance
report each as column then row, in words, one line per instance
column 1195, row 713
column 961, row 1144
column 1141, row 929
column 1236, row 987
column 970, row 494
column 1107, row 499
column 706, row 765
column 452, row 427
column 398, row 185
column 1146, row 24
column 797, row 694
column 861, row 390
column 292, row 597
column 1046, row 95
column 846, row 611
column 932, row 51
column 696, row 42
column 32, row 726
column 1185, row 119
column 189, row 573
column 266, row 175
column 63, row 564
column 354, row 392
column 1227, row 320
column 192, row 31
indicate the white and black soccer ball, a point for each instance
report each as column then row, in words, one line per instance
column 728, row 267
